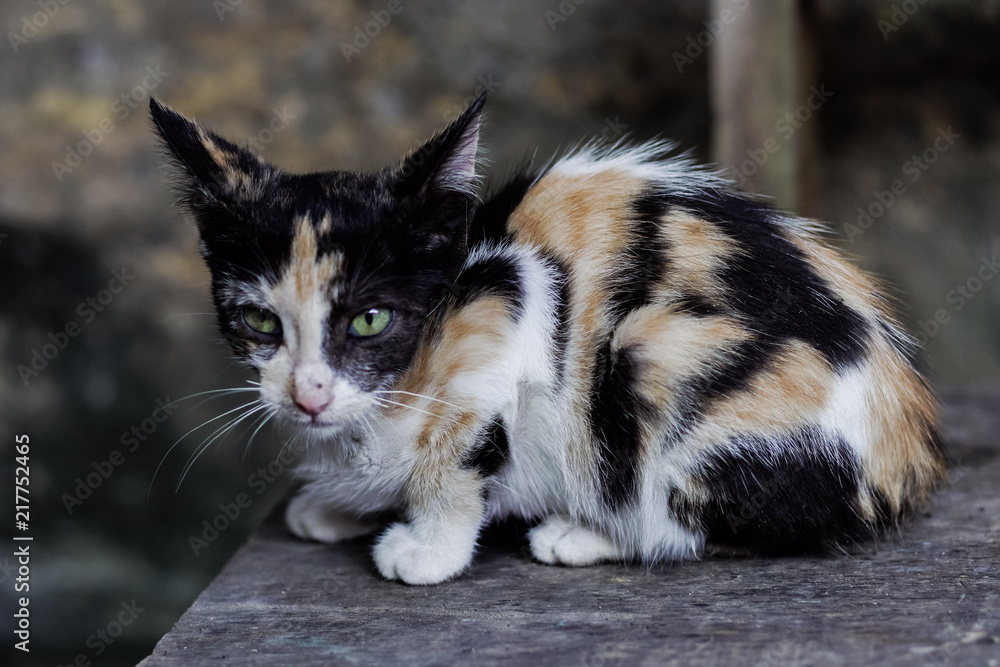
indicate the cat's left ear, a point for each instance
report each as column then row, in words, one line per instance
column 446, row 163
column 212, row 171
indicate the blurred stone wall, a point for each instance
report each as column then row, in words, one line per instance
column 317, row 85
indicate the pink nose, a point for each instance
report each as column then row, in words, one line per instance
column 312, row 404
column 312, row 388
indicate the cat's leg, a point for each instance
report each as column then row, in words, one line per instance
column 311, row 519
column 467, row 379
column 445, row 515
column 560, row 541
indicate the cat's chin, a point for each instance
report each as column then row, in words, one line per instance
column 319, row 428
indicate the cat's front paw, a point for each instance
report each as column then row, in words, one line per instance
column 559, row 541
column 311, row 520
column 399, row 554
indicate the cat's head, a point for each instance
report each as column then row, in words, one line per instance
column 323, row 282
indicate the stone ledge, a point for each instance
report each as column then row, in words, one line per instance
column 929, row 596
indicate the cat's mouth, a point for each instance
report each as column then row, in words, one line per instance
column 313, row 422
column 325, row 425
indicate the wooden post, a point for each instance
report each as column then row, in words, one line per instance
column 759, row 63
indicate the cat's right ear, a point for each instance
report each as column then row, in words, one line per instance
column 211, row 170
column 446, row 163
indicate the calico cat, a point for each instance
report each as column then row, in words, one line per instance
column 620, row 347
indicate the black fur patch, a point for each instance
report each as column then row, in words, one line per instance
column 772, row 285
column 560, row 337
column 490, row 221
column 617, row 412
column 734, row 374
column 781, row 495
column 492, row 276
column 401, row 234
column 696, row 304
column 492, row 450
column 616, row 409
column 645, row 256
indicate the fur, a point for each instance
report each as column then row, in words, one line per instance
column 621, row 348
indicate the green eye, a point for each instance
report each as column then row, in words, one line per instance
column 371, row 322
column 261, row 320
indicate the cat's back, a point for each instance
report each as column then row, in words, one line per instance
column 711, row 337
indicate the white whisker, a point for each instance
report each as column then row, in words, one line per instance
column 289, row 443
column 263, row 420
column 383, row 401
column 216, row 393
column 179, row 440
column 410, row 393
column 219, row 432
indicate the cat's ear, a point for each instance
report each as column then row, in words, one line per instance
column 446, row 163
column 212, row 171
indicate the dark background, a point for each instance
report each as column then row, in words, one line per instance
column 246, row 68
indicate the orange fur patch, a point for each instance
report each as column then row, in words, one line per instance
column 671, row 347
column 859, row 291
column 790, row 393
column 697, row 249
column 311, row 272
column 582, row 220
column 585, row 221
column 235, row 178
column 902, row 463
column 465, row 342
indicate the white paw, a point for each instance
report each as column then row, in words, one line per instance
column 399, row 554
column 559, row 541
column 311, row 520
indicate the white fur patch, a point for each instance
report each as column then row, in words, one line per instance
column 559, row 541
column 401, row 553
column 312, row 520
column 299, row 377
